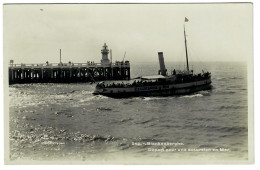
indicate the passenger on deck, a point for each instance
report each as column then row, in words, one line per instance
column 174, row 72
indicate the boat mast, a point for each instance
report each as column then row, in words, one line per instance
column 187, row 60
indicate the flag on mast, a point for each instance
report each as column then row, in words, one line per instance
column 186, row 19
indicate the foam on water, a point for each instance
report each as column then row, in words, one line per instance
column 155, row 98
column 192, row 96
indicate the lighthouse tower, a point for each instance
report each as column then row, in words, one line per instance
column 104, row 52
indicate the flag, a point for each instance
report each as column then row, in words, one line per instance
column 186, row 19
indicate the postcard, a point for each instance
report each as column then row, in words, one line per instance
column 128, row 83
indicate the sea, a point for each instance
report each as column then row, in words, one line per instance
column 66, row 122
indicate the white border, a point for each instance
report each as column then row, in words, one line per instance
column 201, row 167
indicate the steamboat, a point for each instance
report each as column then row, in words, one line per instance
column 177, row 83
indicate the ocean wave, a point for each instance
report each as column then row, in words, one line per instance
column 231, row 107
column 99, row 97
column 103, row 109
column 92, row 97
column 205, row 92
column 171, row 126
column 203, row 119
column 126, row 120
column 234, row 87
column 230, row 92
column 61, row 112
column 236, row 78
column 87, row 99
column 225, row 129
column 145, row 121
column 225, row 92
column 65, row 93
column 219, row 78
column 154, row 98
column 84, row 138
column 233, row 129
column 60, row 93
column 49, row 135
column 129, row 101
column 226, row 78
column 86, row 92
column 192, row 96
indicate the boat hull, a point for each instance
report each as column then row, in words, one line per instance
column 176, row 89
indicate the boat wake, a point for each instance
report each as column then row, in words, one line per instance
column 192, row 96
column 199, row 94
column 155, row 98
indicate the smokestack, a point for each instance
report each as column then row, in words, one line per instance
column 163, row 70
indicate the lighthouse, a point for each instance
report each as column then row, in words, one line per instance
column 104, row 52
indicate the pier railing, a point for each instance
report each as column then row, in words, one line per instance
column 68, row 65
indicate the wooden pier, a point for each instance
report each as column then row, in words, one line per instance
column 67, row 73
column 70, row 72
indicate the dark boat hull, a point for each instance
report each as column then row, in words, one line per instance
column 167, row 92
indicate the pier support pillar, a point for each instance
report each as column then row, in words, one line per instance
column 42, row 74
column 12, row 72
column 22, row 75
column 51, row 73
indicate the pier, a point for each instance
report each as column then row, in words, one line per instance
column 70, row 72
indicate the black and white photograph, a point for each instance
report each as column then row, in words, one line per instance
column 131, row 83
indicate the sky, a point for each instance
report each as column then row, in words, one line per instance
column 34, row 33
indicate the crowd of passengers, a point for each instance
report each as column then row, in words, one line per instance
column 194, row 77
column 138, row 83
column 141, row 83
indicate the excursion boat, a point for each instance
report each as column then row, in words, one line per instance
column 177, row 83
